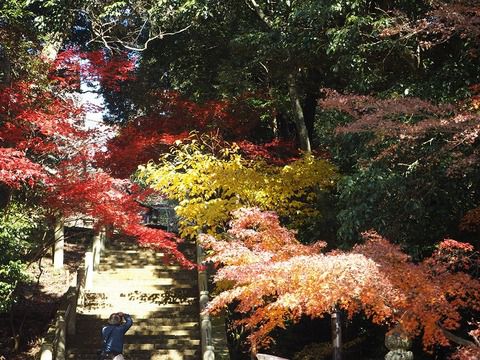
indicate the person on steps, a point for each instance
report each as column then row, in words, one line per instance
column 113, row 335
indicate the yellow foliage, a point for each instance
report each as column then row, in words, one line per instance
column 209, row 186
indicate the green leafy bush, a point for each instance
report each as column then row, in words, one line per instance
column 18, row 226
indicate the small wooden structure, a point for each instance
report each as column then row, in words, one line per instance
column 160, row 214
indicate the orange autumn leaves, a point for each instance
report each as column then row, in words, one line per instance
column 431, row 293
column 275, row 279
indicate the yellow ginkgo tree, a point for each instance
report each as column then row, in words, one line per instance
column 210, row 183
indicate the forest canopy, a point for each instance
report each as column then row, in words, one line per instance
column 298, row 136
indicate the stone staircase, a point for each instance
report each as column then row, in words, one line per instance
column 162, row 300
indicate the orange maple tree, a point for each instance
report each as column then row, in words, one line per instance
column 276, row 279
column 470, row 350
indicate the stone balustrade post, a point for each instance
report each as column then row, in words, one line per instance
column 81, row 284
column 58, row 248
column 208, row 352
column 88, row 270
column 61, row 335
column 72, row 306
column 203, row 300
column 46, row 352
column 336, row 326
column 206, row 332
column 96, row 249
column 398, row 342
column 103, row 238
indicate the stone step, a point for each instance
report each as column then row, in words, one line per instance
column 149, row 330
column 155, row 269
column 148, row 356
column 143, row 286
column 134, row 253
column 144, row 279
column 146, row 334
column 155, row 323
column 85, row 348
column 110, row 310
column 139, row 342
column 144, row 293
column 141, row 349
column 108, row 266
column 185, row 329
column 161, row 317
column 143, row 355
column 148, row 293
column 139, row 310
column 138, row 253
column 162, row 299
column 130, row 289
column 120, row 244
column 126, row 293
column 148, row 271
column 132, row 250
column 121, row 256
column 141, row 304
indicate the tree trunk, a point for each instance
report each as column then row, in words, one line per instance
column 309, row 111
column 59, row 245
column 298, row 115
column 5, row 195
column 5, row 68
column 283, row 130
column 336, row 335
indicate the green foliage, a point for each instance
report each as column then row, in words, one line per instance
column 231, row 44
column 18, row 226
column 46, row 16
column 11, row 273
column 415, row 208
column 346, row 149
column 14, row 10
column 408, row 190
column 54, row 16
column 20, row 43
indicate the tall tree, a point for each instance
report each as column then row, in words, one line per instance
column 287, row 49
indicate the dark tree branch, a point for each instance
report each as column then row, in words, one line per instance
column 456, row 339
column 261, row 14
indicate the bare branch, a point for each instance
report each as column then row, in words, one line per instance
column 158, row 36
column 454, row 338
column 261, row 14
column 104, row 33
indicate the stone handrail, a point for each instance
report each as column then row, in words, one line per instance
column 54, row 342
column 205, row 323
column 213, row 335
column 53, row 346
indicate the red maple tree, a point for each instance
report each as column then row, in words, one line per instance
column 145, row 138
column 44, row 146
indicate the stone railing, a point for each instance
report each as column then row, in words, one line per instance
column 53, row 346
column 213, row 333
column 54, row 343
